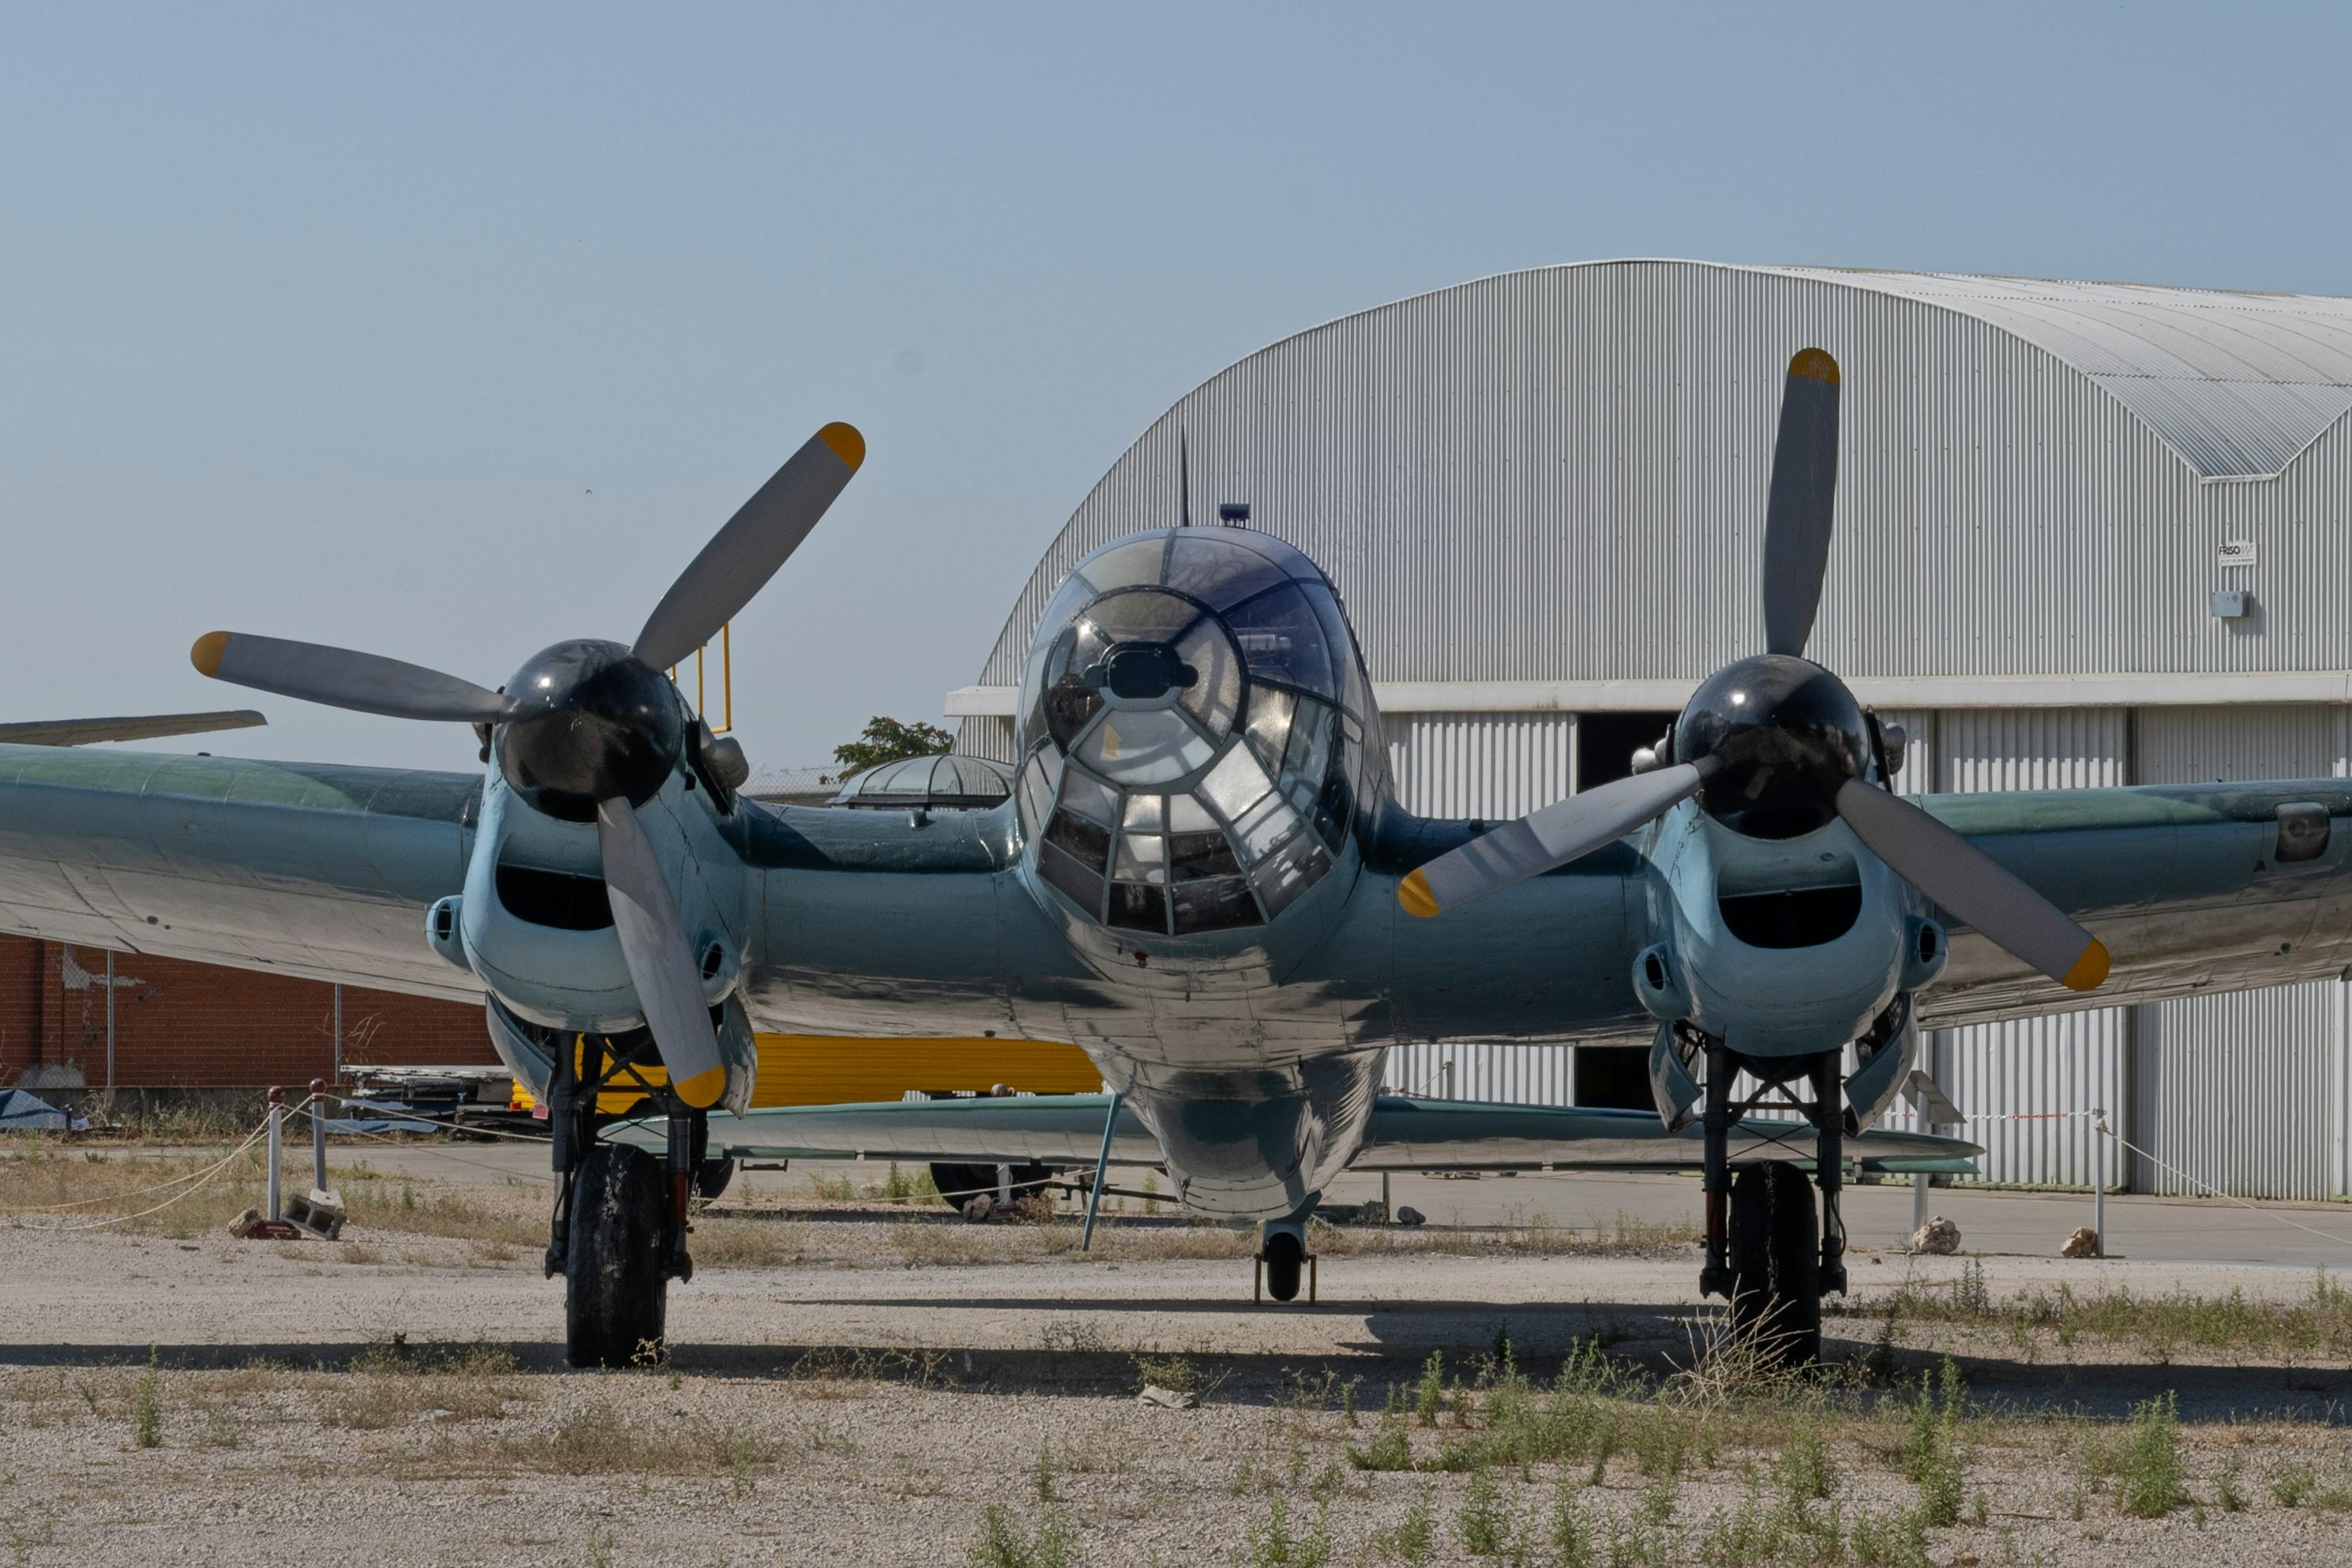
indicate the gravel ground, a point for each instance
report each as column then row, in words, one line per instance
column 868, row 1387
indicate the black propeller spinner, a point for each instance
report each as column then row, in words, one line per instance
column 1776, row 737
column 589, row 721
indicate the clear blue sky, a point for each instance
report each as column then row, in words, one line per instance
column 327, row 321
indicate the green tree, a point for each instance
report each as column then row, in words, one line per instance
column 888, row 740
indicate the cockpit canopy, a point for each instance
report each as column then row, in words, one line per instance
column 1196, row 732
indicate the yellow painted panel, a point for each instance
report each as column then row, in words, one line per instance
column 830, row 1070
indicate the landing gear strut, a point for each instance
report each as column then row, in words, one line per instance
column 619, row 1233
column 1766, row 1254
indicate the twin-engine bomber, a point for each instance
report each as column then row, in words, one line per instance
column 1205, row 881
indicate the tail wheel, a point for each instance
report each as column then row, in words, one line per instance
column 1776, row 1262
column 1286, row 1257
column 616, row 1294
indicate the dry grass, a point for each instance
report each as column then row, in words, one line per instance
column 507, row 1223
column 394, row 1386
column 742, row 1240
column 42, row 1178
column 2315, row 1328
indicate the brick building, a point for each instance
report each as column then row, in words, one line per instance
column 191, row 1026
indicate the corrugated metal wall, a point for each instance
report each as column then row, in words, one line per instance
column 1520, row 1075
column 1481, row 764
column 986, row 736
column 2242, row 1092
column 2075, row 1061
column 1490, row 765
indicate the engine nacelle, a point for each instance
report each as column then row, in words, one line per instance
column 1199, row 749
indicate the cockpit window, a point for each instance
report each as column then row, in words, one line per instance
column 1193, row 732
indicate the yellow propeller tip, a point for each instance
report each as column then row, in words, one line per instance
column 703, row 1089
column 1815, row 365
column 206, row 655
column 1414, row 895
column 847, row 443
column 2089, row 970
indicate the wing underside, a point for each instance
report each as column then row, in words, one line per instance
column 2193, row 889
column 319, row 872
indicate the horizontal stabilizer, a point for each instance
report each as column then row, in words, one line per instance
column 1405, row 1134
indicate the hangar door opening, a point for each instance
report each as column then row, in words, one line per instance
column 1615, row 1076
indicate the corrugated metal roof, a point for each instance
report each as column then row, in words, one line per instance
column 1560, row 474
column 2238, row 384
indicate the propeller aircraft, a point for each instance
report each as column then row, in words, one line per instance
column 1205, row 881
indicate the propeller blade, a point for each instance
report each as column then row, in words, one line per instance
column 757, row 540
column 144, row 727
column 1564, row 831
column 1804, row 490
column 1973, row 886
column 365, row 683
column 660, row 959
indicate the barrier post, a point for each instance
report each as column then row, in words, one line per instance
column 319, row 1135
column 276, row 1145
column 2099, row 1191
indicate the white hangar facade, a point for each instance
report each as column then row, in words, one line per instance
column 2087, row 533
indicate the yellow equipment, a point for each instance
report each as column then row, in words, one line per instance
column 831, row 1070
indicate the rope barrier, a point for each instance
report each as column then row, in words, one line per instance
column 203, row 1179
column 2216, row 1192
column 251, row 1138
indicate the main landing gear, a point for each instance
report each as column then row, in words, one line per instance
column 1767, row 1253
column 620, row 1227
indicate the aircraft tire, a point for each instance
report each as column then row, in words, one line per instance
column 1776, row 1261
column 615, row 1293
column 1286, row 1256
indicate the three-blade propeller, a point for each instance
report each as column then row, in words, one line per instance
column 733, row 567
column 1940, row 863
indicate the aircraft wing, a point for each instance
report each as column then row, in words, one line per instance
column 1405, row 1134
column 293, row 868
column 2192, row 888
column 144, row 727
